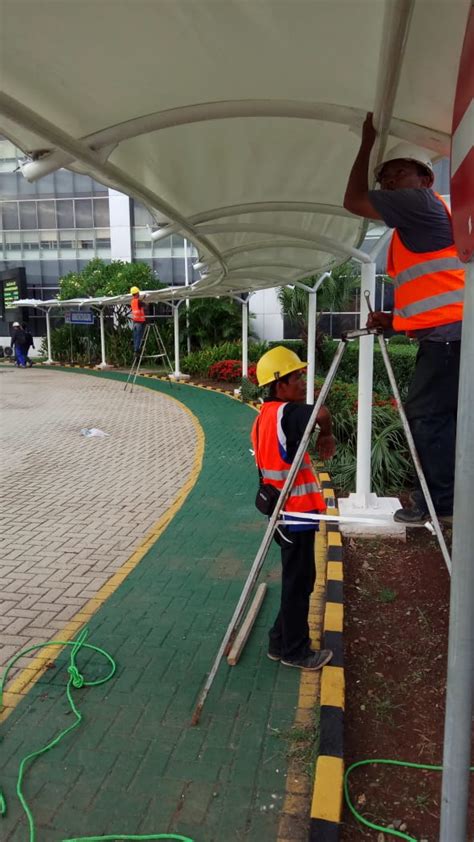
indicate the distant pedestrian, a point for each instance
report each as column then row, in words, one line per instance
column 19, row 343
column 30, row 343
column 138, row 319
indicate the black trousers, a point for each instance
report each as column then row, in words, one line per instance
column 289, row 635
column 431, row 409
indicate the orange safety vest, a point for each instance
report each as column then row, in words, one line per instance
column 138, row 311
column 428, row 286
column 269, row 444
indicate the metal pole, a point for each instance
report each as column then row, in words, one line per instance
column 414, row 454
column 245, row 337
column 102, row 337
column 176, row 339
column 459, row 695
column 366, row 368
column 268, row 537
column 186, row 282
column 311, row 347
column 49, row 361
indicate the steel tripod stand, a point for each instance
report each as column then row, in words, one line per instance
column 150, row 327
column 274, row 519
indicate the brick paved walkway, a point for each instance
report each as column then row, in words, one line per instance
column 77, row 507
column 136, row 765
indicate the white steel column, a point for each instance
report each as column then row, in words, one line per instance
column 103, row 362
column 459, row 694
column 366, row 369
column 50, row 360
column 186, row 282
column 311, row 346
column 176, row 339
column 245, row 337
column 364, row 502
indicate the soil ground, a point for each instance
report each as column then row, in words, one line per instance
column 396, row 634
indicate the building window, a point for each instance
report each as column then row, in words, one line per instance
column 28, row 220
column 83, row 209
column 65, row 213
column 46, row 214
column 10, row 216
column 101, row 213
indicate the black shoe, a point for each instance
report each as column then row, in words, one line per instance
column 274, row 655
column 311, row 661
column 417, row 514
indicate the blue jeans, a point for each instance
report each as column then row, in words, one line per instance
column 138, row 328
column 20, row 356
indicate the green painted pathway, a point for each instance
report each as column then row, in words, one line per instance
column 136, row 765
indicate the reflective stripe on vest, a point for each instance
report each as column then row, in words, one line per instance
column 270, row 447
column 431, row 303
column 428, row 286
column 439, row 264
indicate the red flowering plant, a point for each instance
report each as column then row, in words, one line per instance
column 231, row 371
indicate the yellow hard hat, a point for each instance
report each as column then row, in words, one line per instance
column 276, row 363
column 134, row 290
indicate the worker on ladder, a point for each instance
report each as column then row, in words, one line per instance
column 276, row 435
column 428, row 280
column 138, row 319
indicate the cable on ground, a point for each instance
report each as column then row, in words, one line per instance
column 383, row 762
column 76, row 680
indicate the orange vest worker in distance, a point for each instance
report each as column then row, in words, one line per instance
column 276, row 435
column 138, row 319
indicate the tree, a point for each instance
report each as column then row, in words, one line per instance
column 99, row 278
column 334, row 295
column 213, row 320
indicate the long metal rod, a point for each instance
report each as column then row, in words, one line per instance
column 414, row 454
column 460, row 683
column 365, row 389
column 268, row 537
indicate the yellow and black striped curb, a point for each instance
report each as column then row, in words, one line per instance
column 327, row 801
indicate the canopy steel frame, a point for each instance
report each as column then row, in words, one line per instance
column 104, row 172
column 311, row 243
column 228, row 109
column 256, row 207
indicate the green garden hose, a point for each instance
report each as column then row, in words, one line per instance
column 76, row 680
column 382, row 762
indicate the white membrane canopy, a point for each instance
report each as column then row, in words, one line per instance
column 235, row 122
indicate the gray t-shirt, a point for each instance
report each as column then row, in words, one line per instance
column 424, row 225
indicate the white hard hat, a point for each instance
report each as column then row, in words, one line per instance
column 405, row 152
column 16, row 324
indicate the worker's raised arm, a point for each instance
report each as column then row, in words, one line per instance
column 356, row 199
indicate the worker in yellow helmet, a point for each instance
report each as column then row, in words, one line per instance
column 138, row 319
column 276, row 435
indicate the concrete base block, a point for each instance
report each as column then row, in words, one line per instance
column 179, row 377
column 369, row 505
column 103, row 366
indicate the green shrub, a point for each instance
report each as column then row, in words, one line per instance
column 401, row 339
column 391, row 464
column 402, row 358
column 198, row 362
column 296, row 345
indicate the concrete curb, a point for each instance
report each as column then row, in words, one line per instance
column 327, row 801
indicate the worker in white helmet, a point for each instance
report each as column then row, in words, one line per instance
column 428, row 280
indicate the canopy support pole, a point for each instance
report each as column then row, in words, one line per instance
column 459, row 695
column 312, row 318
column 176, row 373
column 103, row 362
column 186, row 282
column 50, row 360
column 366, row 368
column 245, row 337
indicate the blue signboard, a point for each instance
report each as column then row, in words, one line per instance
column 79, row 317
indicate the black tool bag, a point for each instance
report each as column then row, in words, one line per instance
column 266, row 499
column 267, row 495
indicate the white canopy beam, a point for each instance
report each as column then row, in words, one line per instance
column 254, row 207
column 313, row 242
column 104, row 172
column 201, row 112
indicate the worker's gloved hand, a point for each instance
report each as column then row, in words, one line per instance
column 326, row 446
column 368, row 131
column 380, row 320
